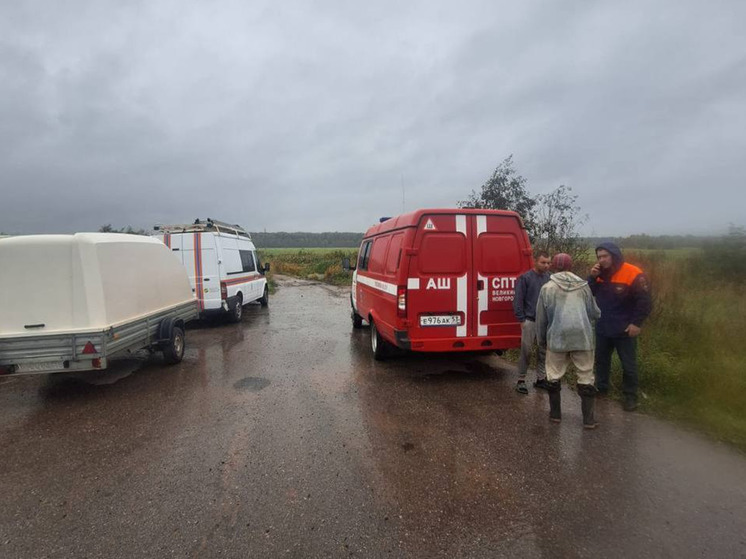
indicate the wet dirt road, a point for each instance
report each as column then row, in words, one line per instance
column 281, row 437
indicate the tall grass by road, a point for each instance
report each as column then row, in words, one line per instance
column 692, row 354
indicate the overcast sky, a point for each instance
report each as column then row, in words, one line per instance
column 315, row 116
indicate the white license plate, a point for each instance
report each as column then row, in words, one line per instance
column 441, row 320
column 39, row 367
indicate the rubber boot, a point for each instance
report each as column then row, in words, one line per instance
column 587, row 404
column 555, row 401
column 630, row 402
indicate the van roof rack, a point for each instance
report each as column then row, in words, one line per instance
column 208, row 225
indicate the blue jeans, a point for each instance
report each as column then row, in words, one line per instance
column 626, row 348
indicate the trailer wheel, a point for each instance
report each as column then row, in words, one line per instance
column 264, row 301
column 235, row 312
column 173, row 350
column 378, row 345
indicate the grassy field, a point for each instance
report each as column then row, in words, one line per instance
column 323, row 264
column 691, row 354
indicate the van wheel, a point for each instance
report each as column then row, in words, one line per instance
column 173, row 350
column 235, row 311
column 264, row 301
column 378, row 345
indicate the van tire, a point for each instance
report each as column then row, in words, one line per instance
column 378, row 345
column 264, row 300
column 235, row 310
column 357, row 320
column 173, row 349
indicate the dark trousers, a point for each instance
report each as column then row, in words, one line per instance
column 626, row 348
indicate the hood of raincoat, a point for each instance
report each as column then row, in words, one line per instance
column 567, row 281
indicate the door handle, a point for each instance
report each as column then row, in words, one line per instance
column 480, row 285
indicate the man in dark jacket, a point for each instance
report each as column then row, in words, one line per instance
column 623, row 294
column 526, row 295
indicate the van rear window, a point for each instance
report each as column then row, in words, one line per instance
column 499, row 253
column 443, row 253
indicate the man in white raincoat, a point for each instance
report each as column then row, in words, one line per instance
column 564, row 325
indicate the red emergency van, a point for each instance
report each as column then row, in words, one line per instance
column 441, row 280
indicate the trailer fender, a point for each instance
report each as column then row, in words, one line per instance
column 166, row 328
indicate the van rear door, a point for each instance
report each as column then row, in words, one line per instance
column 199, row 255
column 439, row 277
column 501, row 254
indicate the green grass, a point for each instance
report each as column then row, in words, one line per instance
column 691, row 355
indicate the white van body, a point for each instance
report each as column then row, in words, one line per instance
column 222, row 265
column 60, row 293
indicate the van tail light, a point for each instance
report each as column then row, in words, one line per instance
column 223, row 291
column 401, row 301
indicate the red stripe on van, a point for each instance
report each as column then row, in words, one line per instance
column 167, row 240
column 242, row 279
column 198, row 283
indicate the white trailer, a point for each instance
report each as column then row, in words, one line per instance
column 72, row 302
column 222, row 265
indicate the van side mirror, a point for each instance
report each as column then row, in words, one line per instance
column 346, row 266
column 266, row 267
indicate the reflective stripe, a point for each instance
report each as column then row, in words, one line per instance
column 461, row 224
column 482, row 304
column 413, row 283
column 379, row 285
column 483, row 295
column 481, row 224
column 462, row 304
column 626, row 275
column 462, row 285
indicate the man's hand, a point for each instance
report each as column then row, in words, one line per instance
column 633, row 331
column 596, row 270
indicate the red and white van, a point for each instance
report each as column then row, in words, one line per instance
column 441, row 280
column 222, row 265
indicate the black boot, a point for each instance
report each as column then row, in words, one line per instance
column 555, row 401
column 630, row 402
column 587, row 404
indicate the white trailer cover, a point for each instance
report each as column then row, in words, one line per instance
column 86, row 281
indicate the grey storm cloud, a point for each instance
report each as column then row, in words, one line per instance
column 324, row 116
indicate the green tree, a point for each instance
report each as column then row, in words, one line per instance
column 552, row 220
column 128, row 230
column 557, row 221
column 504, row 190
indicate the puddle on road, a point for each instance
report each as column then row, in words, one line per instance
column 253, row 384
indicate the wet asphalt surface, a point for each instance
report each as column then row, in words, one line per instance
column 281, row 437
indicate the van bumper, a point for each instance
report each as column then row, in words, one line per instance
column 488, row 343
